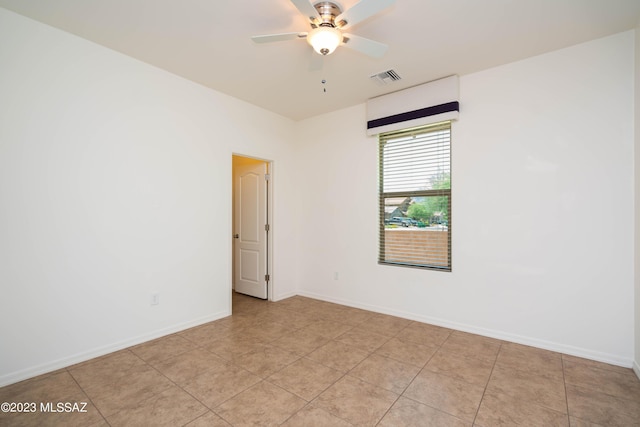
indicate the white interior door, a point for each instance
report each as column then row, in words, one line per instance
column 250, row 234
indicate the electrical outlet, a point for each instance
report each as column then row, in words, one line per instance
column 155, row 299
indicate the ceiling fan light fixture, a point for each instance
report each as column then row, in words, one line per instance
column 324, row 40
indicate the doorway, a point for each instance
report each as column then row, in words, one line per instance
column 251, row 227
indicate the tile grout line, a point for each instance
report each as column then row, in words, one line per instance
column 170, row 380
column 86, row 394
column 416, row 376
column 564, row 384
column 265, row 380
column 128, row 350
column 304, row 356
column 374, row 352
column 209, row 409
column 309, row 403
column 410, row 382
column 487, row 384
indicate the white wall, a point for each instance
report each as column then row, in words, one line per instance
column 542, row 208
column 636, row 365
column 115, row 182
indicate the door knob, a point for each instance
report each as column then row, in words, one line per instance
column 236, row 236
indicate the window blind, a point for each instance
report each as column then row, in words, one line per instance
column 415, row 197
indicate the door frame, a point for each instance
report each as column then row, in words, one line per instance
column 270, row 221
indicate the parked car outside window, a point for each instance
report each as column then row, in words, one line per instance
column 398, row 220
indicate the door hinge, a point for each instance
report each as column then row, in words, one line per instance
column 267, row 177
column 267, row 277
column 266, row 227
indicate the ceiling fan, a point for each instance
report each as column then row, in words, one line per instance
column 327, row 21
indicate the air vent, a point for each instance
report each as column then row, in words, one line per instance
column 385, row 77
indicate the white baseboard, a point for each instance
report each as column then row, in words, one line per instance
column 280, row 297
column 65, row 362
column 533, row 342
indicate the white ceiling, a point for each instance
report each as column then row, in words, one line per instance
column 208, row 41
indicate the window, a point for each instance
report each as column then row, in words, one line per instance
column 415, row 197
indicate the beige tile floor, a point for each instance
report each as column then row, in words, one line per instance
column 302, row 362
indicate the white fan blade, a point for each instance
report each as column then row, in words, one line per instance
column 366, row 46
column 306, row 8
column 278, row 37
column 360, row 11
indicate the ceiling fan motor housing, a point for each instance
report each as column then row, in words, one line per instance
column 328, row 12
column 325, row 37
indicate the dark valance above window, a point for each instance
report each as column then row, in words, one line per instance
column 428, row 103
